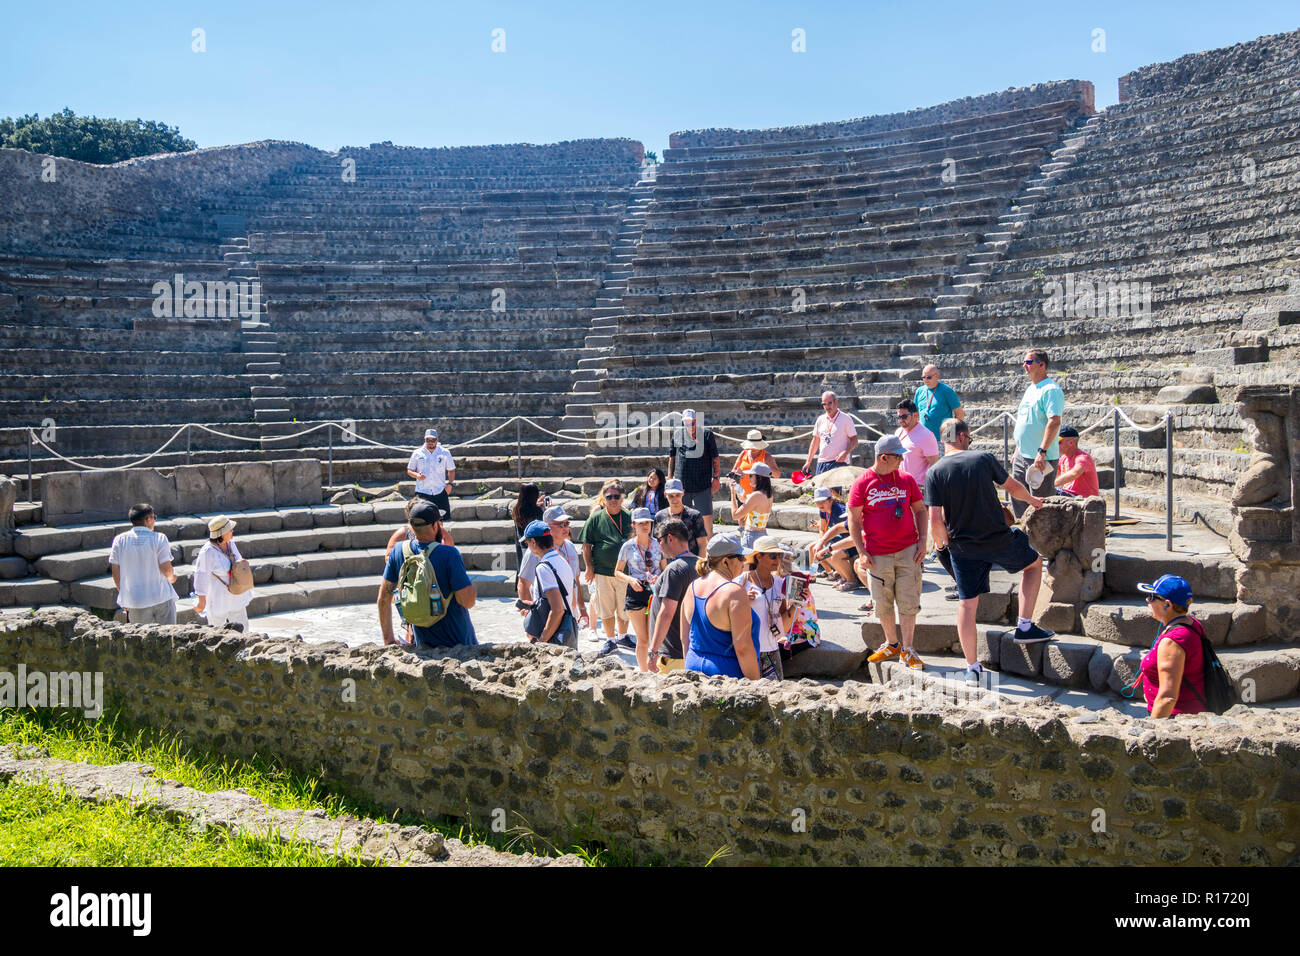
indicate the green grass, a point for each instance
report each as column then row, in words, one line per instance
column 112, row 739
column 46, row 825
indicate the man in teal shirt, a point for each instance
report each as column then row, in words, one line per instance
column 1038, row 422
column 936, row 401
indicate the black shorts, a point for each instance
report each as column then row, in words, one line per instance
column 637, row 600
column 971, row 570
column 441, row 500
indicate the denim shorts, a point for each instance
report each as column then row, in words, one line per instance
column 971, row 570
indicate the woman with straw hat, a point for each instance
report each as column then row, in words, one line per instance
column 753, row 450
column 765, row 586
column 213, row 570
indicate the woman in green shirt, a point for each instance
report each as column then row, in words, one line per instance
column 603, row 534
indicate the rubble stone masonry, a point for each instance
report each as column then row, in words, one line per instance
column 681, row 766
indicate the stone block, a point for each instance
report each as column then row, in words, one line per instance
column 1249, row 625
column 149, row 485
column 1023, row 659
column 296, row 518
column 1066, row 661
column 276, row 599
column 1058, row 617
column 392, row 512
column 103, row 494
column 358, row 514
column 1272, row 674
column 1119, row 623
column 61, row 497
column 327, row 516
column 189, row 528
column 262, row 572
column 1212, row 576
column 296, row 482
column 988, row 646
column 11, row 569
column 201, row 488
column 283, row 569
column 38, row 593
column 1062, row 580
column 249, row 485
column 1187, row 395
column 259, row 522
column 1057, row 526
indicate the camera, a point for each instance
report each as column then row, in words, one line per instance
column 522, row 605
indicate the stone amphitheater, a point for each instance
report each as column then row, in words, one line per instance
column 520, row 296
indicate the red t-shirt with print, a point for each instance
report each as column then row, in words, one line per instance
column 881, row 498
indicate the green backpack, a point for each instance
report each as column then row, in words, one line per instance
column 418, row 594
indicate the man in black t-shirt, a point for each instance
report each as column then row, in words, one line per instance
column 666, row 652
column 677, row 511
column 966, row 517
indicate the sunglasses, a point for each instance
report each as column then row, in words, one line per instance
column 890, row 454
column 1029, row 362
column 613, row 496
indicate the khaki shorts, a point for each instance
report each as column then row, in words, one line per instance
column 610, row 593
column 896, row 580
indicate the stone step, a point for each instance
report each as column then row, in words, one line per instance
column 1210, row 576
column 1124, row 619
column 263, row 368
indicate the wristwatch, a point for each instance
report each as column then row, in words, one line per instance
column 1042, row 451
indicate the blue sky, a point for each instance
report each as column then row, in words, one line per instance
column 338, row 74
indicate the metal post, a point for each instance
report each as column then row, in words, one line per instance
column 188, row 432
column 30, row 499
column 519, row 455
column 1169, row 481
column 1006, row 447
column 329, row 430
column 1116, row 418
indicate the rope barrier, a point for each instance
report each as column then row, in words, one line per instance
column 572, row 436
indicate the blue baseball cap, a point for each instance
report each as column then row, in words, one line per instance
column 1170, row 587
column 537, row 529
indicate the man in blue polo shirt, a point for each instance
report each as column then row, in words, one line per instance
column 936, row 401
column 1038, row 423
column 453, row 581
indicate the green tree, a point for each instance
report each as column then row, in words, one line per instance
column 90, row 138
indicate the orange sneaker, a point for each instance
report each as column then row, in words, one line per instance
column 886, row 652
column 908, row 657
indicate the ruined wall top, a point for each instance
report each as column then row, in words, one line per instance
column 1014, row 98
column 1260, row 56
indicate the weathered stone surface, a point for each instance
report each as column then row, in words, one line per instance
column 297, row 482
column 249, row 485
column 1023, row 659
column 8, row 495
column 751, row 749
column 1056, row 526
column 13, row 568
column 1264, row 675
column 201, row 488
column 1066, row 661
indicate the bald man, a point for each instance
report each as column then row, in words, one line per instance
column 936, row 401
column 834, row 437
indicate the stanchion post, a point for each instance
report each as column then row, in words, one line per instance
column 1115, row 415
column 1169, row 480
column 188, row 432
column 30, row 499
column 1006, row 446
column 329, row 430
column 519, row 454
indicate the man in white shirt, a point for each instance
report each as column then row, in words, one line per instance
column 141, row 560
column 558, row 521
column 834, row 437
column 434, row 472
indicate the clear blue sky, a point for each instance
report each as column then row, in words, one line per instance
column 351, row 73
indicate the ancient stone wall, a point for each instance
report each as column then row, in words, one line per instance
column 1010, row 99
column 681, row 766
column 1267, row 54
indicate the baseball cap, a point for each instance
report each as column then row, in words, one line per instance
column 642, row 514
column 424, row 513
column 722, row 545
column 1170, row 587
column 537, row 529
column 688, row 415
column 556, row 514
column 430, row 433
column 822, row 494
column 1069, row 431
column 890, row 445
column 759, row 468
column 674, row 487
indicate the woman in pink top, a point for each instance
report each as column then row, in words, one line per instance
column 1173, row 671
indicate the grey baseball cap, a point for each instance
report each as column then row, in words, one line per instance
column 643, row 514
column 890, row 445
column 556, row 514
column 673, row 486
column 722, row 545
column 822, row 494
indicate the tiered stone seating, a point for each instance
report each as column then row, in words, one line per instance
column 1194, row 189
column 773, row 266
column 427, row 288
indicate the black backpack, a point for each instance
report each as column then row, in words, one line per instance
column 1220, row 693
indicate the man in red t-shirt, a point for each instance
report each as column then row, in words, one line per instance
column 1076, row 471
column 887, row 520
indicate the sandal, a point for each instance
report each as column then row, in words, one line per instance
column 846, row 586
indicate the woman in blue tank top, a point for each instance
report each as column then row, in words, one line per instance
column 713, row 649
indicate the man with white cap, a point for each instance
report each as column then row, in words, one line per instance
column 888, row 523
column 834, row 436
column 693, row 459
column 434, row 471
column 557, row 521
column 753, row 450
column 213, row 571
column 697, row 536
